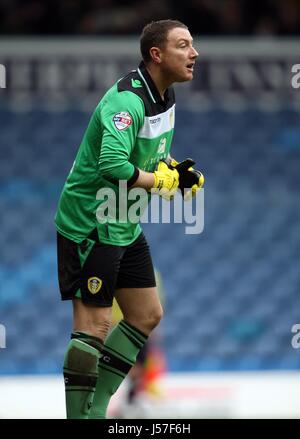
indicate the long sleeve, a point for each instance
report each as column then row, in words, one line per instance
column 121, row 117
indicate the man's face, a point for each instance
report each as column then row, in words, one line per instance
column 178, row 56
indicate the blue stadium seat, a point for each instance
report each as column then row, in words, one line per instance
column 231, row 292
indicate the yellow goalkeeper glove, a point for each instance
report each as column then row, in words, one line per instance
column 166, row 180
column 190, row 180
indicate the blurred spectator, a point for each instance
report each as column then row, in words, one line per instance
column 112, row 17
column 117, row 18
column 259, row 17
column 289, row 17
column 231, row 18
column 201, row 16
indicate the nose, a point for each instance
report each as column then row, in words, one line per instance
column 194, row 52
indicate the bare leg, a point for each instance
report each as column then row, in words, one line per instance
column 142, row 312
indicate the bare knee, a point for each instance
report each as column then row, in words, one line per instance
column 146, row 320
column 155, row 317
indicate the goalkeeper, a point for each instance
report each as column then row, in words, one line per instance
column 128, row 138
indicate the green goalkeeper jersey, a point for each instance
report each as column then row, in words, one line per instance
column 130, row 129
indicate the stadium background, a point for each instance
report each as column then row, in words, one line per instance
column 232, row 292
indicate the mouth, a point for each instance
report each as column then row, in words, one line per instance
column 190, row 67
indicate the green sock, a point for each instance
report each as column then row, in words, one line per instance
column 80, row 374
column 118, row 356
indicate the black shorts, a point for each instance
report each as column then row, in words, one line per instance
column 92, row 270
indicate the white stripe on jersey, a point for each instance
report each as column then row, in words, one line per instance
column 155, row 126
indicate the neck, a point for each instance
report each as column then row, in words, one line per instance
column 158, row 78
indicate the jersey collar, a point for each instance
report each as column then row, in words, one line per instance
column 150, row 86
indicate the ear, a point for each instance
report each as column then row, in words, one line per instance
column 155, row 54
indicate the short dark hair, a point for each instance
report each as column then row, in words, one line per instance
column 155, row 34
